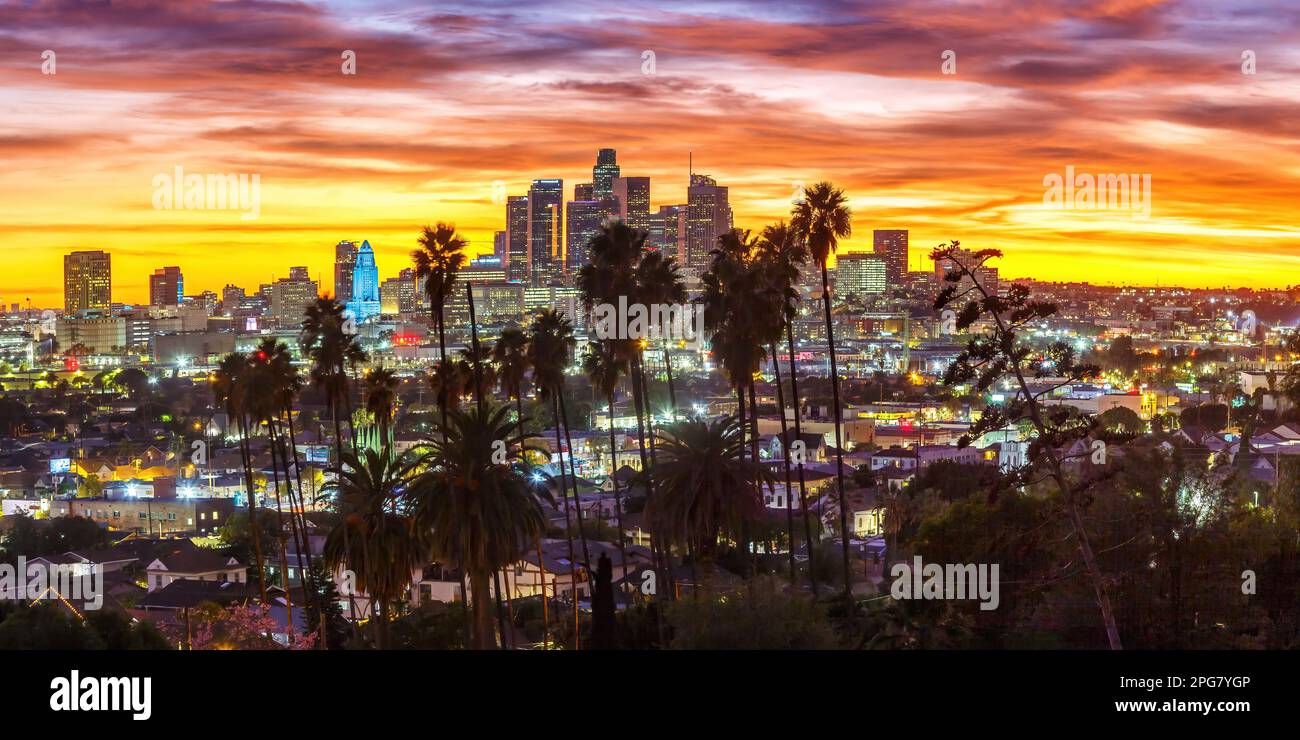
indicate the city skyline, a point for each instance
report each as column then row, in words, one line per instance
column 507, row 95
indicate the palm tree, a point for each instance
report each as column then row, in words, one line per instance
column 477, row 369
column 326, row 340
column 380, row 399
column 550, row 346
column 448, row 380
column 820, row 220
column 604, row 367
column 510, row 358
column 379, row 545
column 229, row 389
column 438, row 261
column 782, row 255
column 659, row 282
column 481, row 513
column 707, row 489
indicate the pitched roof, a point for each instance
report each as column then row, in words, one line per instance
column 186, row 557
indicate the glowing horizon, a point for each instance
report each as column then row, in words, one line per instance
column 447, row 103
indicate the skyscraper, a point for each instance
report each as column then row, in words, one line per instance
column 583, row 220
column 708, row 215
column 584, row 191
column 166, row 287
column 345, row 257
column 668, row 232
column 633, row 196
column 516, row 257
column 545, row 230
column 365, row 285
column 860, row 274
column 499, row 246
column 87, row 281
column 891, row 246
column 603, row 174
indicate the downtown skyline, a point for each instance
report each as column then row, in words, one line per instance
column 430, row 127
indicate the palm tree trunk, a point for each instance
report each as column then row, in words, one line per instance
column 573, row 471
column 568, row 533
column 618, row 499
column 668, row 370
column 246, row 458
column 753, row 448
column 546, row 618
column 483, row 630
column 284, row 558
column 301, row 516
column 798, row 434
column 785, row 453
column 839, row 443
column 639, row 400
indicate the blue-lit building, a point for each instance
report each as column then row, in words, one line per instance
column 365, row 285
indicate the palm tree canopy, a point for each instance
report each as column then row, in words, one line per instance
column 550, row 348
column 510, row 356
column 475, row 507
column 821, row 219
column 706, row 489
column 438, row 261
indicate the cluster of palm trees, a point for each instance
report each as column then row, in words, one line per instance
column 455, row 499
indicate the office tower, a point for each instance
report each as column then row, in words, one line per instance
column 860, row 274
column 289, row 298
column 166, row 287
column 708, row 216
column 584, row 191
column 516, row 256
column 603, row 174
column 891, row 246
column 345, row 258
column 499, row 246
column 583, row 220
column 231, row 297
column 668, row 232
column 365, row 285
column 545, row 230
column 398, row 294
column 87, row 281
column 299, row 272
column 633, row 196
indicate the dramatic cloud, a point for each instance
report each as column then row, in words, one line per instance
column 450, row 98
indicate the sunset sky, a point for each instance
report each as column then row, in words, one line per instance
column 450, row 97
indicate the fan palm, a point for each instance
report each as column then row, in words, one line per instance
column 820, row 220
column 782, row 254
column 381, row 396
column 438, row 261
column 482, row 513
column 229, row 390
column 510, row 358
column 707, row 489
column 327, row 340
column 550, row 346
column 604, row 367
column 379, row 546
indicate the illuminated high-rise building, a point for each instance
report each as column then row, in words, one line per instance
column 545, row 230
column 166, row 287
column 582, row 221
column 365, row 285
column 891, row 246
column 603, row 174
column 515, row 259
column 584, row 191
column 87, row 281
column 633, row 196
column 860, row 274
column 708, row 216
column 345, row 258
column 668, row 232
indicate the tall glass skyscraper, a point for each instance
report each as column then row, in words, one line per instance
column 365, row 285
column 603, row 174
column 345, row 258
column 545, row 230
column 891, row 246
column 708, row 216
